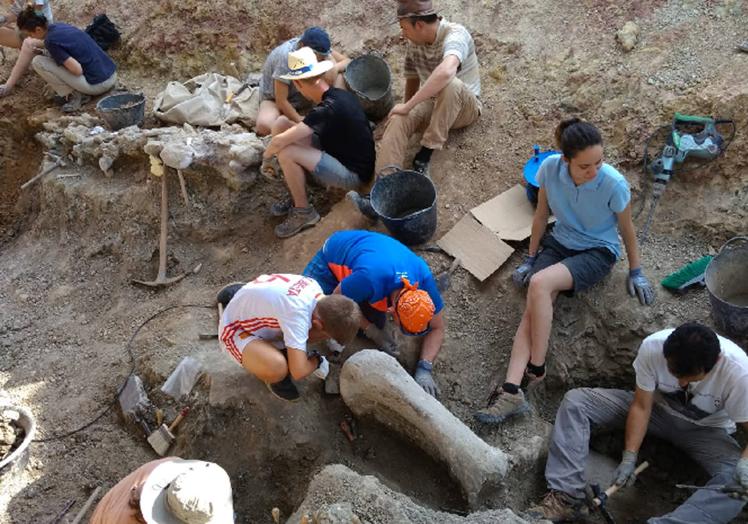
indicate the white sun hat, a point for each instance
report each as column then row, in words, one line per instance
column 303, row 64
column 187, row 492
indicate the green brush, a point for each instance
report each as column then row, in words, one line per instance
column 687, row 276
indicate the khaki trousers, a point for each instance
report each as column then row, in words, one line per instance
column 453, row 108
column 64, row 82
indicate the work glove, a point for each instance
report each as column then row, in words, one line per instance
column 624, row 475
column 521, row 275
column 382, row 339
column 638, row 285
column 5, row 90
column 741, row 479
column 425, row 379
column 323, row 369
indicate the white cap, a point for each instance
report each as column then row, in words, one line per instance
column 187, row 492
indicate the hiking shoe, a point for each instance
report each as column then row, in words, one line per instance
column 363, row 204
column 422, row 167
column 743, row 47
column 75, row 100
column 558, row 506
column 505, row 406
column 299, row 218
column 227, row 292
column 271, row 170
column 281, row 207
column 284, row 390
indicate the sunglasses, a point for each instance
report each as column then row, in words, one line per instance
column 405, row 331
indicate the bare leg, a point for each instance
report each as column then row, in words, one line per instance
column 266, row 117
column 9, row 38
column 531, row 340
column 294, row 161
column 264, row 361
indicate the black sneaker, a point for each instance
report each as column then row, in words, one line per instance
column 419, row 166
column 227, row 292
column 284, row 390
column 363, row 204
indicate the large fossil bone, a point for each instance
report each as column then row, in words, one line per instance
column 374, row 384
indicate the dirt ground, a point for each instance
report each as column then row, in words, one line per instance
column 69, row 247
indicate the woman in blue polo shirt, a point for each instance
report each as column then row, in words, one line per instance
column 592, row 204
column 76, row 66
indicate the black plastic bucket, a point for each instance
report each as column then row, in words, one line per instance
column 406, row 203
column 122, row 110
column 727, row 281
column 369, row 78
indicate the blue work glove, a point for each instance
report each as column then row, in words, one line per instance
column 624, row 475
column 741, row 479
column 521, row 275
column 638, row 285
column 425, row 379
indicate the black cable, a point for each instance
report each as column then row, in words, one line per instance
column 128, row 348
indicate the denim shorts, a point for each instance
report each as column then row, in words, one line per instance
column 587, row 267
column 330, row 172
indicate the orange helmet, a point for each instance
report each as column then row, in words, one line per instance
column 414, row 308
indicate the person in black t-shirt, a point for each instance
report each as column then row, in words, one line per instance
column 334, row 143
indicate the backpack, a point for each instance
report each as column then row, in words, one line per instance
column 103, row 31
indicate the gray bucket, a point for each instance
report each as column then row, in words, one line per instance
column 727, row 281
column 122, row 110
column 406, row 203
column 23, row 418
column 369, row 78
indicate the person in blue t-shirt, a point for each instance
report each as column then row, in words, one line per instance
column 592, row 204
column 76, row 66
column 383, row 276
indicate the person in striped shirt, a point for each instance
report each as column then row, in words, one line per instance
column 268, row 324
column 442, row 85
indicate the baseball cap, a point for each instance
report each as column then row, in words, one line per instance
column 318, row 39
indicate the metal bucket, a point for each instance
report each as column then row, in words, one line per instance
column 727, row 281
column 369, row 78
column 122, row 110
column 23, row 418
column 406, row 203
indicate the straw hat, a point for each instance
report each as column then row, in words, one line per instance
column 187, row 492
column 303, row 64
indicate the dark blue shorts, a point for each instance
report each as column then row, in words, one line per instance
column 587, row 267
column 318, row 270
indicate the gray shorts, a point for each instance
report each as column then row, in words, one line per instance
column 331, row 173
column 587, row 267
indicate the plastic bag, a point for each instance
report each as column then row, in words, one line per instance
column 183, row 378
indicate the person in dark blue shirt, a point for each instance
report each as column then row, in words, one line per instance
column 76, row 66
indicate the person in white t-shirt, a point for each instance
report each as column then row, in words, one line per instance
column 691, row 390
column 269, row 322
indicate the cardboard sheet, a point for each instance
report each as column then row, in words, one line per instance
column 479, row 249
column 509, row 214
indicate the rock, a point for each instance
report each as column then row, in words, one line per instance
column 373, row 383
column 337, row 493
column 628, row 35
column 178, row 156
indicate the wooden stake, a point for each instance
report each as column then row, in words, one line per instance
column 184, row 188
